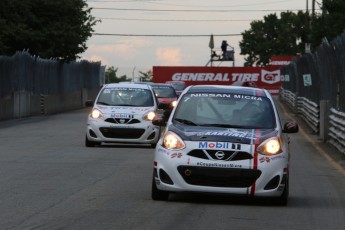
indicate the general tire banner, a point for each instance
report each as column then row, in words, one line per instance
column 267, row 77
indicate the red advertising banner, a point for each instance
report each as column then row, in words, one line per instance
column 267, row 77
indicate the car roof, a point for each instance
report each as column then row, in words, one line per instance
column 127, row 85
column 228, row 89
column 161, row 84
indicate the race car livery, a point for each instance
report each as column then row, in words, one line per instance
column 123, row 113
column 223, row 139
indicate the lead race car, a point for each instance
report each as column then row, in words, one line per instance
column 223, row 139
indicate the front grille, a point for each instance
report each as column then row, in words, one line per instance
column 219, row 177
column 220, row 155
column 124, row 133
column 122, row 120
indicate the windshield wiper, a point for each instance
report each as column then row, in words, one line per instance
column 184, row 121
column 102, row 103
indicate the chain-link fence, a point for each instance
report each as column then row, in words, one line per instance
column 319, row 78
column 40, row 76
column 25, row 80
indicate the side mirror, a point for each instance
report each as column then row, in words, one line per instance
column 160, row 121
column 290, row 127
column 89, row 103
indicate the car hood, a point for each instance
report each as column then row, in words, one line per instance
column 124, row 109
column 166, row 100
column 233, row 135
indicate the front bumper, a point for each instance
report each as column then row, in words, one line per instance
column 175, row 171
column 144, row 132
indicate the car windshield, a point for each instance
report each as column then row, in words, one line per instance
column 126, row 97
column 178, row 85
column 164, row 91
column 225, row 110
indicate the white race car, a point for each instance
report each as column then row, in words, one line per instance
column 223, row 139
column 123, row 113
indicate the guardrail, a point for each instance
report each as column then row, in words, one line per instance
column 337, row 129
column 309, row 111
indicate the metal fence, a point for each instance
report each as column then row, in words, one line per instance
column 41, row 76
column 316, row 78
column 28, row 82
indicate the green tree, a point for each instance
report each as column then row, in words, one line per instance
column 145, row 76
column 330, row 23
column 111, row 76
column 274, row 36
column 49, row 29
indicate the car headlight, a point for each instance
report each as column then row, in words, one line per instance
column 173, row 104
column 96, row 114
column 270, row 146
column 172, row 141
column 149, row 116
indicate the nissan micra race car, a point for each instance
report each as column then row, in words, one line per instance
column 123, row 113
column 223, row 139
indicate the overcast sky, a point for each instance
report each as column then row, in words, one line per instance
column 165, row 24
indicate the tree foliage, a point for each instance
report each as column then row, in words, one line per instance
column 288, row 34
column 49, row 29
column 274, row 36
column 111, row 76
column 145, row 76
column 330, row 23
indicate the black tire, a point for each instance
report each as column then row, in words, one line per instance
column 89, row 143
column 153, row 145
column 283, row 199
column 157, row 194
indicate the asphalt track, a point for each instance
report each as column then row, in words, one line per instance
column 50, row 180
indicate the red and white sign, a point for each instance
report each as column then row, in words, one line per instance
column 283, row 60
column 267, row 77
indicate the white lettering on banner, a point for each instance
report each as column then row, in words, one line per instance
column 245, row 76
column 200, row 77
column 270, row 77
column 280, row 62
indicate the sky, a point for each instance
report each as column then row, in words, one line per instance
column 135, row 35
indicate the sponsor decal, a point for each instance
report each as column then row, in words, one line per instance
column 225, row 95
column 270, row 77
column 213, row 145
column 188, row 161
column 219, row 145
column 220, row 77
column 200, row 77
column 265, row 159
column 121, row 115
column 277, row 157
column 176, row 155
column 218, row 165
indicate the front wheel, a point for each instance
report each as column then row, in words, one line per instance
column 283, row 199
column 157, row 194
column 89, row 143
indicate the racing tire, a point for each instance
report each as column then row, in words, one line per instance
column 283, row 199
column 157, row 194
column 89, row 143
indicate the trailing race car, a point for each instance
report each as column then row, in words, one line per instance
column 223, row 139
column 123, row 113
